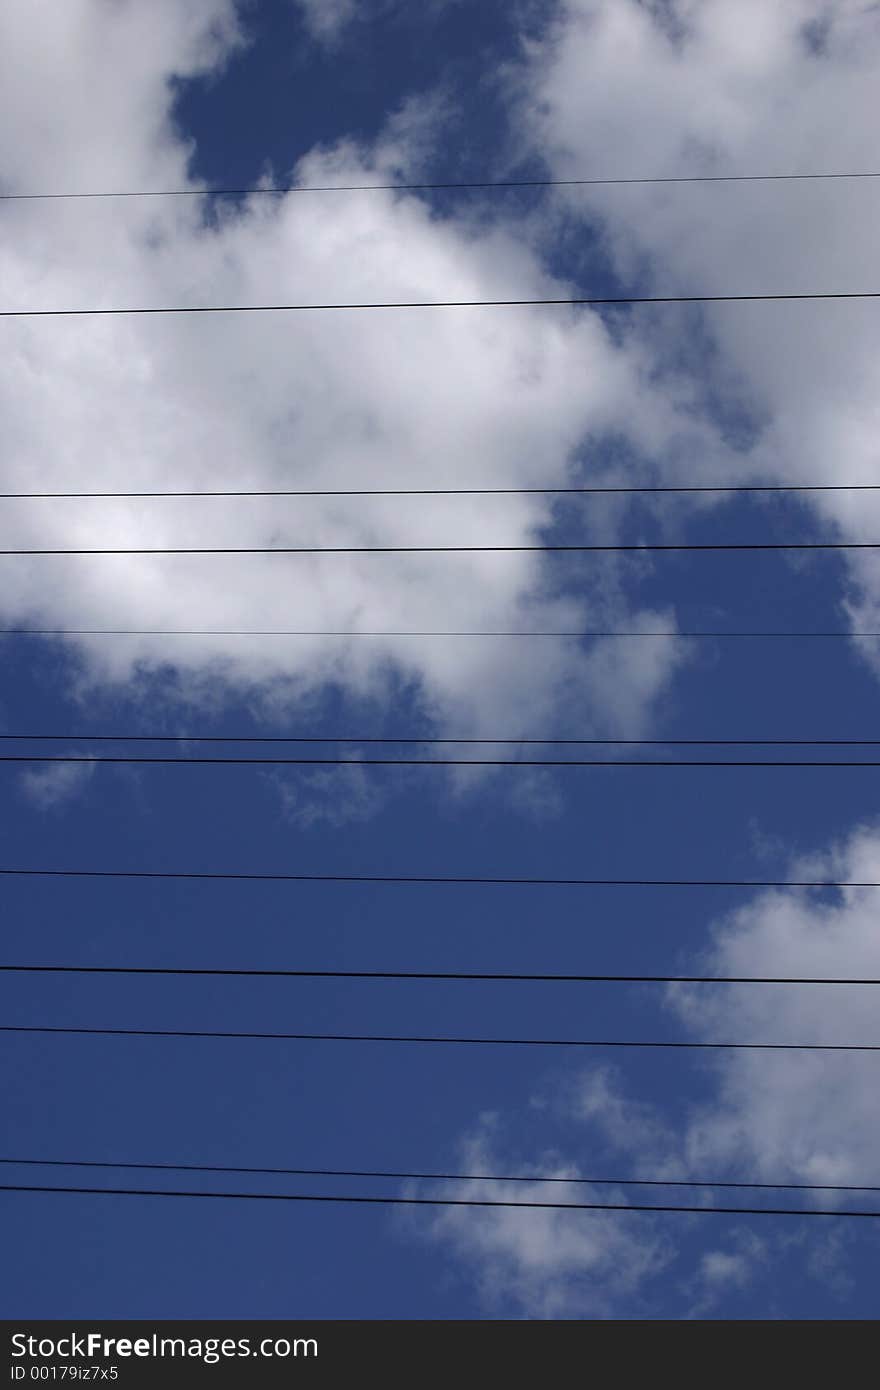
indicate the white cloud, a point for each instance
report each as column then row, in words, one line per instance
column 794, row 1117
column 595, row 1097
column 326, row 18
column 500, row 398
column 723, row 1272
column 719, row 1268
column 330, row 796
column 107, row 68
column 545, row 1264
column 52, row 786
column 590, row 1264
column 773, row 1117
column 622, row 88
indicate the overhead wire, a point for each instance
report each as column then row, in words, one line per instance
column 184, row 760
column 460, row 976
column 432, row 1039
column 283, row 632
column 424, row 186
column 431, row 740
column 228, row 876
column 574, row 301
column 374, row 1200
column 537, row 1179
column 618, row 548
column 580, row 491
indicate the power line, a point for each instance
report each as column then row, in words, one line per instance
column 434, row 1040
column 185, row 761
column 469, row 976
column 431, row 740
column 439, row 1201
column 439, row 1177
column 227, row 877
column 585, row 491
column 280, row 189
column 238, row 632
column 637, row 546
column 572, row 302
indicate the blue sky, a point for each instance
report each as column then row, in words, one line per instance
column 316, row 92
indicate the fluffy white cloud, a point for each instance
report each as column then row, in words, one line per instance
column 87, row 97
column 772, row 1117
column 325, row 18
column 552, row 1263
column 797, row 1117
column 545, row 1264
column 500, row 398
column 623, row 88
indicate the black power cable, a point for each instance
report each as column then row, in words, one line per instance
column 184, row 760
column 439, row 1201
column 639, row 546
column 439, row 1177
column 280, row 189
column 431, row 740
column 598, row 301
column 470, row 976
column 470, row 1042
column 251, row 632
column 453, row 879
column 585, row 491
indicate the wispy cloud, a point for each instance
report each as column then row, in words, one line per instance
column 542, row 1263
column 798, row 1116
column 53, row 786
column 330, row 796
column 325, row 18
